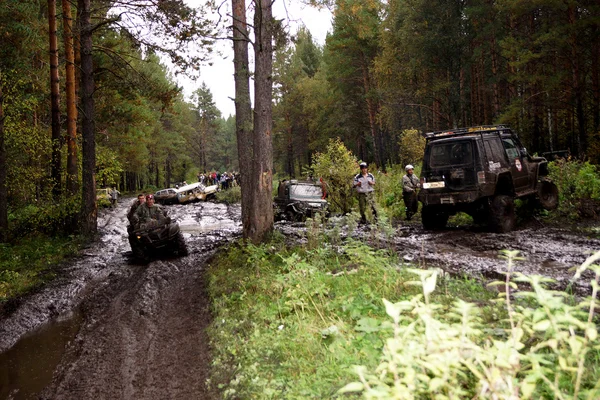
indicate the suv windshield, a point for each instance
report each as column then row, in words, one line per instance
column 451, row 153
column 305, row 191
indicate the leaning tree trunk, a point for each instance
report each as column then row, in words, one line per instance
column 54, row 101
column 89, row 209
column 261, row 220
column 3, row 167
column 72, row 168
column 243, row 110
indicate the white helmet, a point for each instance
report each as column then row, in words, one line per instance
column 409, row 166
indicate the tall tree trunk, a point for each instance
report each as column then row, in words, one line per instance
column 243, row 110
column 72, row 168
column 578, row 89
column 372, row 112
column 596, row 80
column 54, row 100
column 3, row 168
column 261, row 220
column 89, row 210
column 290, row 146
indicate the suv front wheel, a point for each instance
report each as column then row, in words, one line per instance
column 433, row 218
column 502, row 213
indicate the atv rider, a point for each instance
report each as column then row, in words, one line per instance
column 141, row 199
column 149, row 214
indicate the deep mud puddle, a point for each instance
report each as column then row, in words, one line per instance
column 27, row 368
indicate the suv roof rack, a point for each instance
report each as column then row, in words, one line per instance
column 466, row 131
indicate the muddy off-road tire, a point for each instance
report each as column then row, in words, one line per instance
column 432, row 218
column 502, row 214
column 182, row 249
column 548, row 195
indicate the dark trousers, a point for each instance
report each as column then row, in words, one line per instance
column 410, row 201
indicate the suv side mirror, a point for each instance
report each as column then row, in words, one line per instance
column 524, row 152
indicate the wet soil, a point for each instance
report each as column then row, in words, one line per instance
column 111, row 328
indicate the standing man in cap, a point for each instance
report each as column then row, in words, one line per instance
column 410, row 184
column 363, row 183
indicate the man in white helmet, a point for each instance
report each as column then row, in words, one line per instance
column 410, row 184
column 363, row 183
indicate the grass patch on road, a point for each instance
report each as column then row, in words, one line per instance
column 292, row 322
column 324, row 321
column 28, row 262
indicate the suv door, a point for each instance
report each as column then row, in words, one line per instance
column 518, row 167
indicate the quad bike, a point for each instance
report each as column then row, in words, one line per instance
column 154, row 237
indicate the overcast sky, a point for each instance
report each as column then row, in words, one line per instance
column 219, row 76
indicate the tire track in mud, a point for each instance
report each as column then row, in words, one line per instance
column 144, row 338
column 143, row 329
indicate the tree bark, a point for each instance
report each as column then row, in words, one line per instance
column 89, row 210
column 243, row 110
column 72, row 167
column 54, row 101
column 3, row 168
column 261, row 221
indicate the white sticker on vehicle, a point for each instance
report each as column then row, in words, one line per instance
column 434, row 185
column 494, row 166
column 518, row 164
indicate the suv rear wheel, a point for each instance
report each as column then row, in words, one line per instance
column 548, row 195
column 433, row 218
column 502, row 213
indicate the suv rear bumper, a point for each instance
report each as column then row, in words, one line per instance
column 448, row 198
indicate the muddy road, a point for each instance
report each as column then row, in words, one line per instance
column 110, row 328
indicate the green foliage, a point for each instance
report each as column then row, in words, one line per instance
column 337, row 166
column 50, row 217
column 578, row 187
column 290, row 323
column 230, row 196
column 549, row 348
column 26, row 263
column 108, row 167
column 412, row 147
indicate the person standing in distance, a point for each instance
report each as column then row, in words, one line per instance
column 410, row 184
column 364, row 183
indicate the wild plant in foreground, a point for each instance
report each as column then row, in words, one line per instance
column 545, row 350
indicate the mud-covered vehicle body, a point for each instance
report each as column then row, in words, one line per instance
column 298, row 200
column 481, row 171
column 155, row 238
column 167, row 196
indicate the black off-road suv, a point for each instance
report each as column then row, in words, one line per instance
column 297, row 200
column 481, row 171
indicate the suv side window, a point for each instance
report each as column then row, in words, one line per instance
column 511, row 148
column 494, row 150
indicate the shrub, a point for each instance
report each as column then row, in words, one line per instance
column 337, row 166
column 412, row 147
column 547, row 349
column 578, row 187
column 230, row 196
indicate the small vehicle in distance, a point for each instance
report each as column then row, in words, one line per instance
column 481, row 171
column 298, row 200
column 206, row 193
column 188, row 193
column 167, row 196
column 156, row 238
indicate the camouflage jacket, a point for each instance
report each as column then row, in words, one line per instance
column 134, row 206
column 145, row 214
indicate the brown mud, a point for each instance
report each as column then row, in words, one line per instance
column 111, row 328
